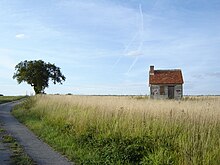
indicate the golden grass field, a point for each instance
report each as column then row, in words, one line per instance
column 131, row 113
column 183, row 131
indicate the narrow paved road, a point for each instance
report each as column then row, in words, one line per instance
column 40, row 152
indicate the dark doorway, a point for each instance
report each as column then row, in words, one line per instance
column 171, row 92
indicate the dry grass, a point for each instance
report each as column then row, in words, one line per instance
column 190, row 126
column 194, row 109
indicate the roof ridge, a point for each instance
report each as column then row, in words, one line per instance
column 167, row 70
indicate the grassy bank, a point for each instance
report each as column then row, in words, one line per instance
column 124, row 130
column 5, row 99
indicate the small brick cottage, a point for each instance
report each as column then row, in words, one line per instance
column 165, row 84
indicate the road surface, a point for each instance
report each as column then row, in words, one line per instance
column 39, row 151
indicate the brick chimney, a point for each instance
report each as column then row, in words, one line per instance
column 151, row 70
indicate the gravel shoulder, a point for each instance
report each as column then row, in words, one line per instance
column 39, row 151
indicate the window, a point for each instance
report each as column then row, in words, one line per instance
column 162, row 92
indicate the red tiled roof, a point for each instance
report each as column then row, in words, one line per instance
column 166, row 77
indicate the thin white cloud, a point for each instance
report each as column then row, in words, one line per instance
column 134, row 53
column 20, row 36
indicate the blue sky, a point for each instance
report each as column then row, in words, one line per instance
column 107, row 46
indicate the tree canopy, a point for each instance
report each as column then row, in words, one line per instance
column 37, row 73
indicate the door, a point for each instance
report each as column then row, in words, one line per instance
column 171, row 92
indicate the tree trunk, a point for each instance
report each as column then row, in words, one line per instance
column 37, row 90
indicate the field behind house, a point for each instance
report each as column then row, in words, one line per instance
column 127, row 130
column 5, row 99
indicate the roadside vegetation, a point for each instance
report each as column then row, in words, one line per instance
column 126, row 130
column 5, row 99
column 18, row 157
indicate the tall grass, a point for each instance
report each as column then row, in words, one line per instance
column 125, row 130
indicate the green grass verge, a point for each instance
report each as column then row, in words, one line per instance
column 5, row 99
column 163, row 142
column 18, row 157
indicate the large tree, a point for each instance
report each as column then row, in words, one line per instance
column 37, row 73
